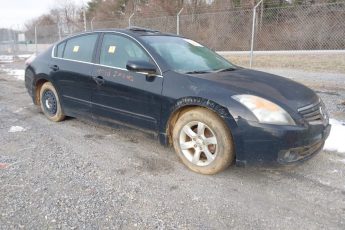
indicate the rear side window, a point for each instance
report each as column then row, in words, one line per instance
column 59, row 49
column 80, row 48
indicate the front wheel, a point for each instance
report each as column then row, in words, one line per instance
column 203, row 141
column 50, row 103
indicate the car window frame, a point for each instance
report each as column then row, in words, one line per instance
column 93, row 51
column 97, row 50
column 54, row 51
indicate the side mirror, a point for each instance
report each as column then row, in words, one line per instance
column 141, row 67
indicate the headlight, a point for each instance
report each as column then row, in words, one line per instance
column 264, row 110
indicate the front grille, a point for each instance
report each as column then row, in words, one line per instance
column 313, row 113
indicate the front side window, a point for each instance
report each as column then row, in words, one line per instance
column 187, row 56
column 80, row 48
column 117, row 50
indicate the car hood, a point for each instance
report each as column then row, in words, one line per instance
column 272, row 87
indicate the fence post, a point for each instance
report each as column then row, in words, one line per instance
column 59, row 30
column 91, row 23
column 253, row 33
column 178, row 22
column 129, row 20
column 84, row 18
column 14, row 39
column 261, row 13
column 35, row 39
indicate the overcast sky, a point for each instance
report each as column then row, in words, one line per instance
column 14, row 13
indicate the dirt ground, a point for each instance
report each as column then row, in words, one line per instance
column 77, row 174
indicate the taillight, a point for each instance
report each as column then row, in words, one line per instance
column 30, row 59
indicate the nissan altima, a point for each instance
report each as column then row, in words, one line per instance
column 212, row 112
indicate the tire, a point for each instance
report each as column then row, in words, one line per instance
column 50, row 103
column 203, row 141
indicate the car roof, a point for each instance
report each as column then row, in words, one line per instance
column 137, row 31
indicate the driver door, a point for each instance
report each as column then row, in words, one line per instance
column 123, row 95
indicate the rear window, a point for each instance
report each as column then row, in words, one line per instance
column 80, row 48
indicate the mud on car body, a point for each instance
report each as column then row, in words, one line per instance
column 213, row 112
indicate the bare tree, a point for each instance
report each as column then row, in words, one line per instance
column 67, row 14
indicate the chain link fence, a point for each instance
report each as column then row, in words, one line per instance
column 316, row 27
column 292, row 28
column 223, row 31
column 119, row 23
column 167, row 24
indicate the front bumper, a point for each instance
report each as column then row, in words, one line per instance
column 274, row 144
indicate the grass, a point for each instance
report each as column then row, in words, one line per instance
column 330, row 63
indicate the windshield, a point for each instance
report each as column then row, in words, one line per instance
column 187, row 56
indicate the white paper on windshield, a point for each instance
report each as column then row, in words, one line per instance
column 194, row 43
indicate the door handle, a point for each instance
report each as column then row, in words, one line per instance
column 54, row 67
column 99, row 80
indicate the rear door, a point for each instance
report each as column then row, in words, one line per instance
column 72, row 70
column 122, row 95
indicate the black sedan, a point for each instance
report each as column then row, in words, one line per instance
column 213, row 112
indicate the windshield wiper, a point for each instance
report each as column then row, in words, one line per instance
column 226, row 69
column 210, row 71
column 198, row 72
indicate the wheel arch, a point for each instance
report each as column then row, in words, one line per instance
column 186, row 104
column 40, row 80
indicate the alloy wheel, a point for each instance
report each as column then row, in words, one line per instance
column 198, row 143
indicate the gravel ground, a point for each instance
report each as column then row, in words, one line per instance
column 77, row 174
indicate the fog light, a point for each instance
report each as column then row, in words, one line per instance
column 295, row 154
column 287, row 156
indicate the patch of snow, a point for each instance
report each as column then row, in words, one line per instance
column 18, row 110
column 15, row 129
column 327, row 183
column 333, row 171
column 6, row 58
column 24, row 56
column 335, row 141
column 17, row 73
